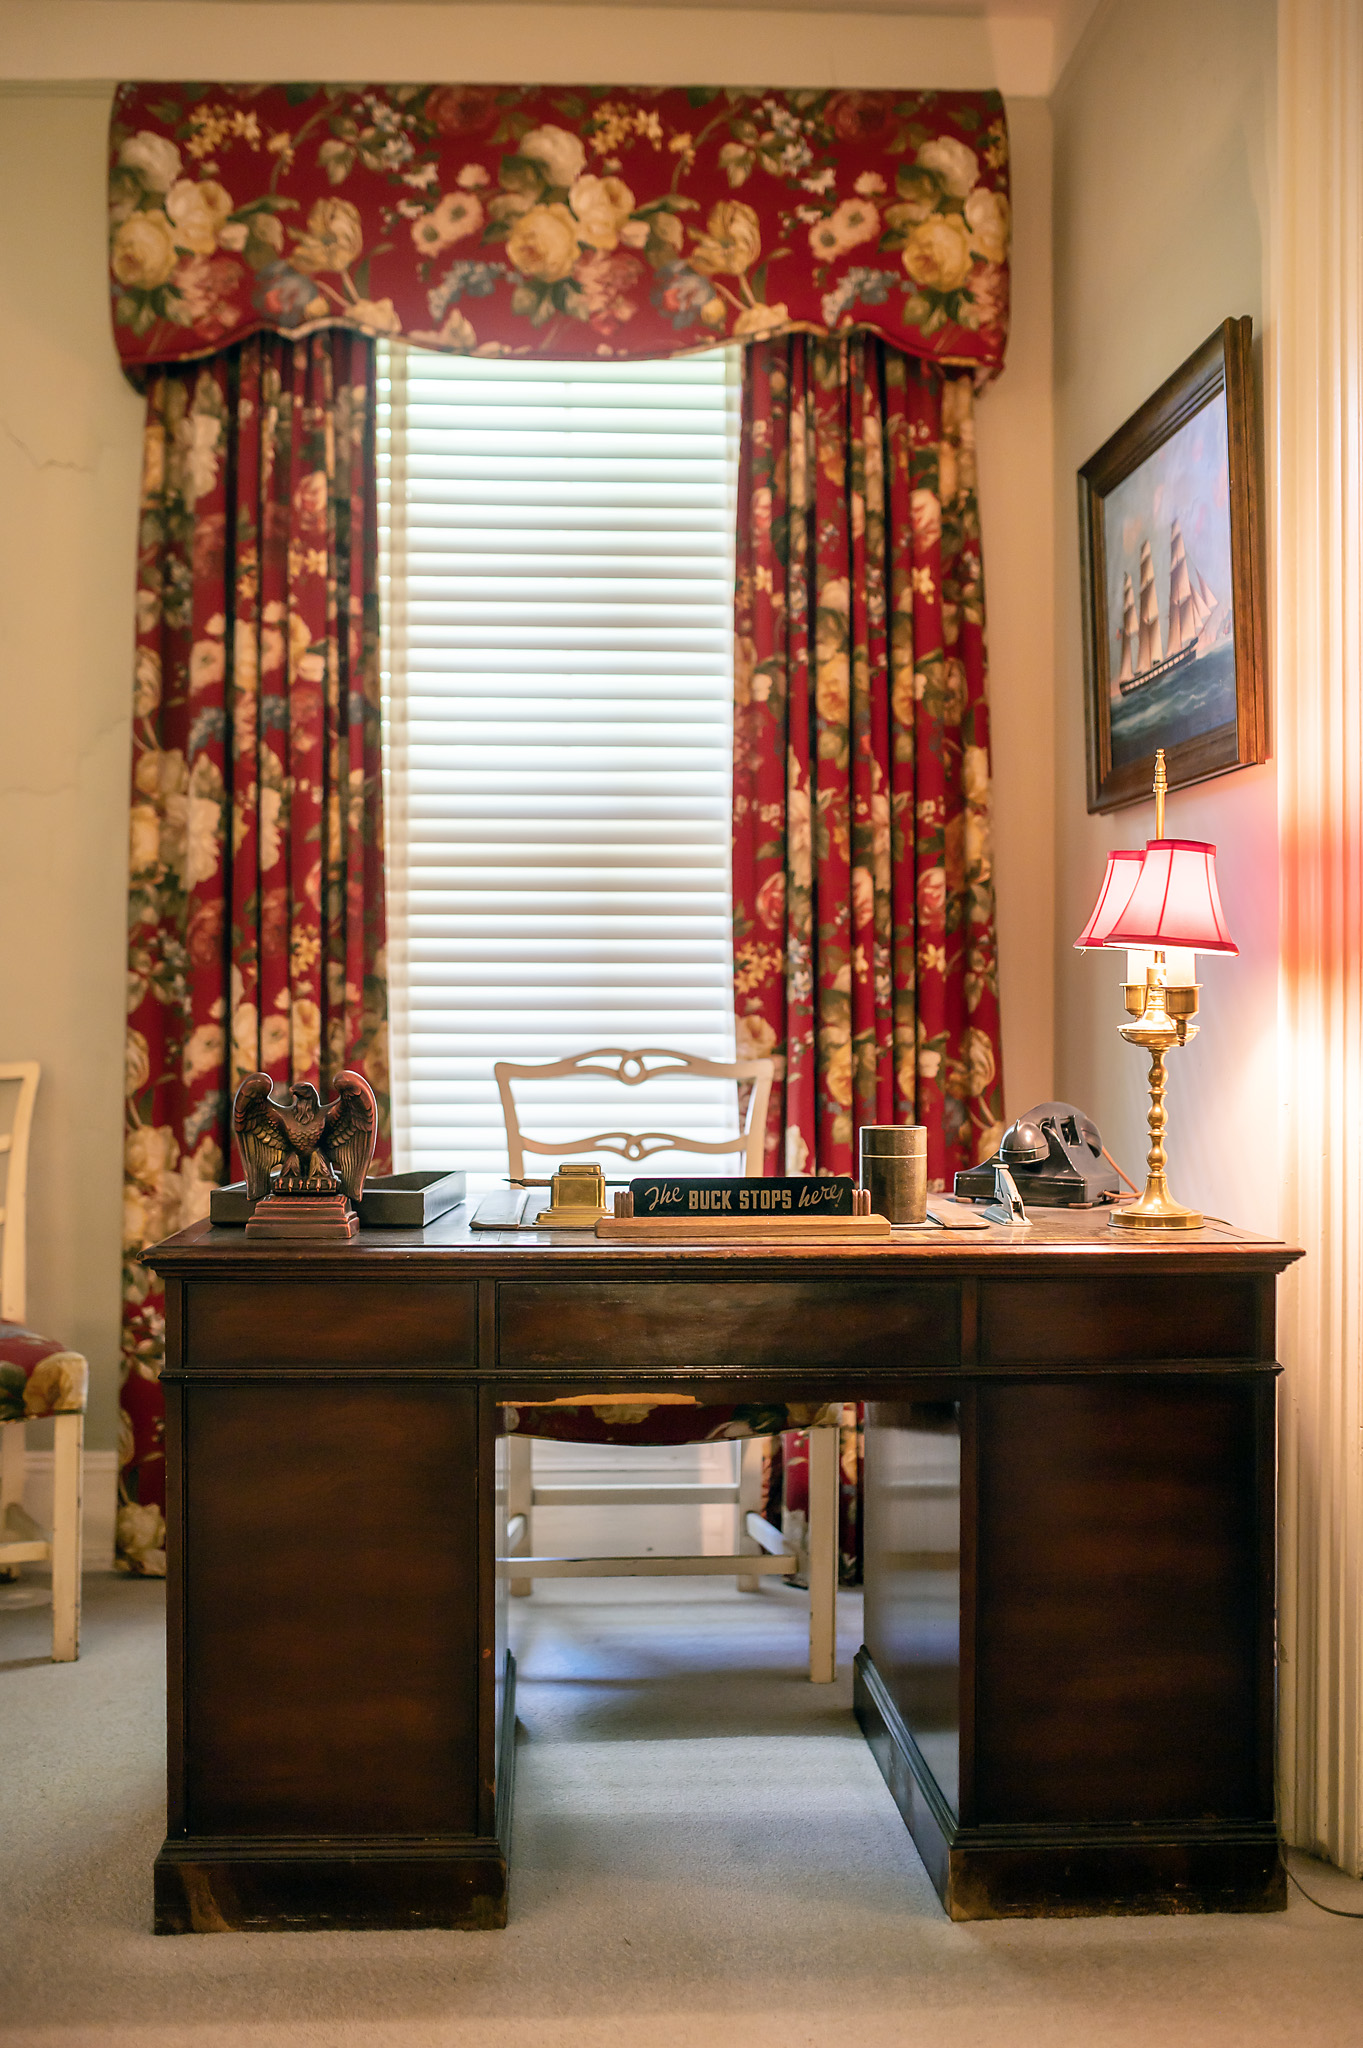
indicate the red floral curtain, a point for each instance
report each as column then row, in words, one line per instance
column 785, row 1489
column 570, row 221
column 256, row 903
column 864, row 954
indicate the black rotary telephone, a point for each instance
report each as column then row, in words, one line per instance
column 1055, row 1156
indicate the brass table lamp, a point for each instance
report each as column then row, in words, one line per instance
column 1160, row 907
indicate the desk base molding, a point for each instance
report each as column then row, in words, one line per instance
column 1051, row 1872
column 224, row 1887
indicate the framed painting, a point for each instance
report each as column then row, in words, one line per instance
column 1173, row 620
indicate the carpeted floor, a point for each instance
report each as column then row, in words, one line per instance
column 704, row 1857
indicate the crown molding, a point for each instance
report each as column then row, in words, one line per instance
column 79, row 45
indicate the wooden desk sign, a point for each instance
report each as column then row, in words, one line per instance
column 790, row 1230
column 827, row 1195
column 744, row 1211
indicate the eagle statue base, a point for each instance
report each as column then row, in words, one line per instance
column 305, row 1164
column 303, row 1216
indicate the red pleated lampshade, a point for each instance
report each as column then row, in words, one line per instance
column 1174, row 902
column 1123, row 872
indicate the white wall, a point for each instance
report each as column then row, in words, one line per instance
column 69, row 435
column 70, row 430
column 1163, row 139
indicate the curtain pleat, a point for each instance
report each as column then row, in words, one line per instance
column 864, row 946
column 256, row 902
column 863, row 895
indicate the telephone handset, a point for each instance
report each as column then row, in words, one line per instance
column 1055, row 1155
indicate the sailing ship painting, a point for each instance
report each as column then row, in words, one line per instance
column 1197, row 619
column 1169, row 559
column 1166, row 529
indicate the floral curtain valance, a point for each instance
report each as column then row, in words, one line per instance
column 560, row 221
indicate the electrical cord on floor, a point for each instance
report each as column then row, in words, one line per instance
column 1339, row 1912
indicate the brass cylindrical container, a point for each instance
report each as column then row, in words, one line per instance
column 894, row 1166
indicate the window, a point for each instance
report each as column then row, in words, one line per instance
column 557, row 564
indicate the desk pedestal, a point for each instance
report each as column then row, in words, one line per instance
column 1066, row 1675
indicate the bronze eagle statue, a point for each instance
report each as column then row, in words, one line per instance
column 291, row 1145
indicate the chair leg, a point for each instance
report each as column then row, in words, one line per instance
column 749, row 1503
column 68, row 1442
column 11, row 1482
column 520, row 1500
column 823, row 1555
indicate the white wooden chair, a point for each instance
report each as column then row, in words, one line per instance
column 38, row 1378
column 762, row 1550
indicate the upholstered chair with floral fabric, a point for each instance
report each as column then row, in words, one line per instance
column 39, row 1378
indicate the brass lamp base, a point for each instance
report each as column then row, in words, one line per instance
column 1156, row 1209
column 1162, row 1023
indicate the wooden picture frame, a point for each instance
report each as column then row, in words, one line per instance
column 1172, row 609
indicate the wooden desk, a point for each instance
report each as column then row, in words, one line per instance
column 1068, row 1674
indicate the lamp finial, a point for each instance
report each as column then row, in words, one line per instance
column 1161, row 785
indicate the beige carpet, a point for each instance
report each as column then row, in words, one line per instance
column 704, row 1854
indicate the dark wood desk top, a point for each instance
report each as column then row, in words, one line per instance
column 1055, row 1237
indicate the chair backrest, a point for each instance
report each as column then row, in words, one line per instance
column 636, row 1070
column 18, row 1086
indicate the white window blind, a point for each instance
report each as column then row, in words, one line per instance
column 557, row 563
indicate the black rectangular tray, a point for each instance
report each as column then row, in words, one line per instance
column 393, row 1201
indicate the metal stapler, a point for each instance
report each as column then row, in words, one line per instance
column 1005, row 1205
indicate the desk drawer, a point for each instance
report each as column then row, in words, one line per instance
column 1169, row 1315
column 321, row 1322
column 695, row 1324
